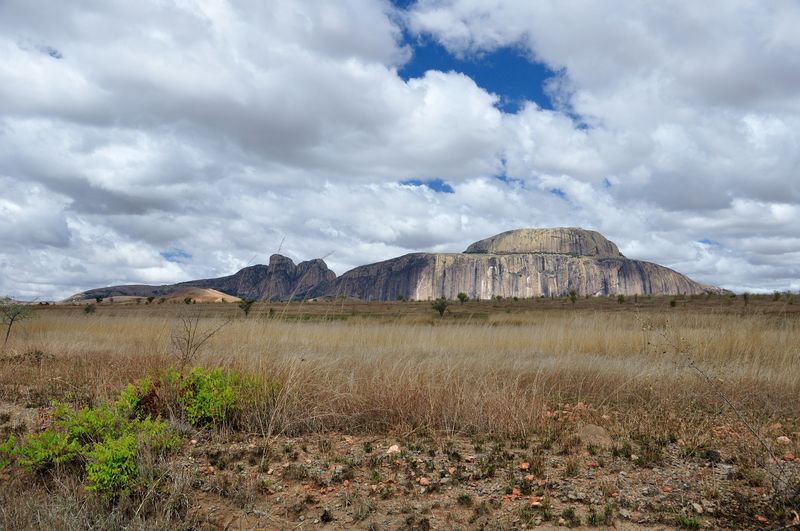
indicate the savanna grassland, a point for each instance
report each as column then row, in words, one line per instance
column 504, row 414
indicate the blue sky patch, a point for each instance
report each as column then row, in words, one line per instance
column 507, row 72
column 558, row 192
column 510, row 180
column 709, row 241
column 437, row 185
column 177, row 256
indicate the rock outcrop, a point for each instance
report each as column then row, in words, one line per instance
column 519, row 263
column 569, row 241
column 280, row 280
column 483, row 276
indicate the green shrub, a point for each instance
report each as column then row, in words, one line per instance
column 131, row 397
column 89, row 425
column 156, row 435
column 107, row 438
column 686, row 522
column 211, row 396
column 47, row 449
column 440, row 305
column 112, row 469
column 7, row 451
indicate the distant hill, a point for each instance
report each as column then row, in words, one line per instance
column 519, row 263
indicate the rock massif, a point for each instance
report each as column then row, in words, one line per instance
column 280, row 280
column 520, row 263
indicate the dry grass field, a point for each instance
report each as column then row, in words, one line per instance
column 627, row 414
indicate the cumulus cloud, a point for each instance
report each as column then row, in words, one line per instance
column 217, row 129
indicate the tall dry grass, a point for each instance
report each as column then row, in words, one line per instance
column 498, row 376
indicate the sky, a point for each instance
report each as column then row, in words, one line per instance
column 160, row 141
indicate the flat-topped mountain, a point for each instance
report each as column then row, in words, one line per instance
column 519, row 263
column 571, row 241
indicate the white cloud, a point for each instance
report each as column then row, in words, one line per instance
column 217, row 128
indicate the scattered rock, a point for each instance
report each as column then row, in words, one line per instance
column 783, row 439
column 594, row 435
column 393, row 449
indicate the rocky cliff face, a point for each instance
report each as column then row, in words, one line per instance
column 520, row 263
column 280, row 280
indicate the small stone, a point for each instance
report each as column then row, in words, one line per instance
column 393, row 449
column 697, row 508
column 788, row 456
column 783, row 439
column 424, row 481
column 666, row 488
column 594, row 435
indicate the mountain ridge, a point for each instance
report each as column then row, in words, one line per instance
column 518, row 263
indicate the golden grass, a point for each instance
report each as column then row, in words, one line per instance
column 498, row 375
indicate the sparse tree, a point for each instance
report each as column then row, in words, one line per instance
column 150, row 299
column 98, row 299
column 746, row 297
column 245, row 305
column 440, row 305
column 187, row 300
column 12, row 312
column 462, row 297
column 400, row 297
column 89, row 308
column 188, row 337
column 573, row 296
column 620, row 299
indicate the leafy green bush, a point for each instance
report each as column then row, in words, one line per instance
column 112, row 469
column 211, row 396
column 156, row 435
column 131, row 397
column 47, row 449
column 7, row 451
column 89, row 425
column 107, row 438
